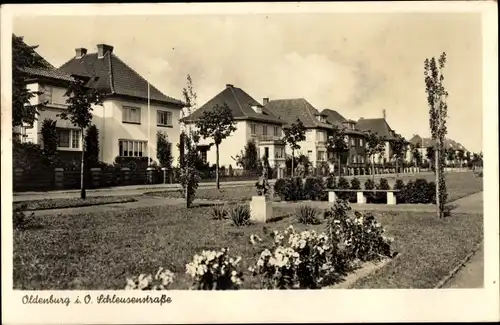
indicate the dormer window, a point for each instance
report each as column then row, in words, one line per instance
column 257, row 109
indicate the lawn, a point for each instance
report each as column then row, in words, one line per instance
column 99, row 250
column 458, row 185
column 63, row 203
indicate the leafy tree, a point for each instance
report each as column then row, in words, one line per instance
column 23, row 57
column 374, row 146
column 430, row 154
column 417, row 156
column 189, row 176
column 92, row 146
column 336, row 143
column 49, row 139
column 248, row 159
column 451, row 155
column 218, row 124
column 438, row 111
column 81, row 99
column 398, row 146
column 460, row 156
column 294, row 134
column 164, row 150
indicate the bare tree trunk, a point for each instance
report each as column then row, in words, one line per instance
column 338, row 156
column 373, row 167
column 293, row 158
column 217, row 165
column 438, row 174
column 83, row 193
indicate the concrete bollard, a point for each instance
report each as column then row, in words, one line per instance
column 125, row 173
column 150, row 177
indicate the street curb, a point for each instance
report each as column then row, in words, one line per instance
column 457, row 268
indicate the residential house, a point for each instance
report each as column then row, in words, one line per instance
column 423, row 143
column 381, row 128
column 132, row 111
column 355, row 138
column 253, row 122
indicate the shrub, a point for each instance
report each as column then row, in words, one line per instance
column 399, row 186
column 370, row 185
column 307, row 215
column 297, row 189
column 343, row 184
column 383, row 185
column 161, row 281
column 280, row 187
column 49, row 139
column 218, row 212
column 295, row 261
column 314, row 188
column 239, row 215
column 212, row 270
column 20, row 221
column 355, row 185
column 420, row 191
column 331, row 181
column 92, row 146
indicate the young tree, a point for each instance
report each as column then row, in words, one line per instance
column 164, row 150
column 336, row 143
column 24, row 57
column 189, row 175
column 438, row 111
column 248, row 159
column 374, row 146
column 81, row 99
column 92, row 146
column 49, row 139
column 450, row 156
column 398, row 146
column 430, row 154
column 294, row 134
column 460, row 156
column 218, row 124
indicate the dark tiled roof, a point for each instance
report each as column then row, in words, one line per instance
column 428, row 142
column 48, row 73
column 376, row 125
column 45, row 64
column 297, row 108
column 240, row 104
column 115, row 77
column 335, row 118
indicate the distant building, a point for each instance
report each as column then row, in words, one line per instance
column 383, row 129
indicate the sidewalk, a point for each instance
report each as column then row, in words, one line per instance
column 471, row 275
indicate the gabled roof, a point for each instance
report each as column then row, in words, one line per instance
column 240, row 104
column 335, row 118
column 54, row 73
column 428, row 142
column 376, row 125
column 296, row 108
column 115, row 77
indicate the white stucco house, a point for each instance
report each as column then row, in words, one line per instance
column 131, row 113
column 253, row 122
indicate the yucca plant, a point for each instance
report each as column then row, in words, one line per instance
column 239, row 215
column 218, row 212
column 307, row 214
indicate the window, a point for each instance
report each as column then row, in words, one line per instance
column 252, row 128
column 353, row 143
column 266, row 152
column 353, row 159
column 309, row 135
column 47, row 94
column 309, row 154
column 360, row 142
column 203, row 154
column 67, row 138
column 164, row 118
column 131, row 114
column 276, row 131
column 131, row 148
column 264, row 130
column 321, row 155
column 346, row 139
column 278, row 152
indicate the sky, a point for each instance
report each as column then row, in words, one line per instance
column 356, row 63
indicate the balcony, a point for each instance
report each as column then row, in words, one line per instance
column 261, row 137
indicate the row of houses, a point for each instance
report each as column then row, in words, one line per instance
column 133, row 111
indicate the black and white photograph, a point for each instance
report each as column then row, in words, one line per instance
column 261, row 151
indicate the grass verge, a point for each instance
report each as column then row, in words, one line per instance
column 48, row 204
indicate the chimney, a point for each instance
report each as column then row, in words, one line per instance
column 383, row 113
column 229, row 86
column 265, row 101
column 102, row 49
column 80, row 52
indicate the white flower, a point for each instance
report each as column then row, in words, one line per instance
column 130, row 284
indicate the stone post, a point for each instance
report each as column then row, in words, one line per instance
column 391, row 198
column 150, row 175
column 361, row 199
column 96, row 176
column 59, row 178
column 332, row 197
column 164, row 170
